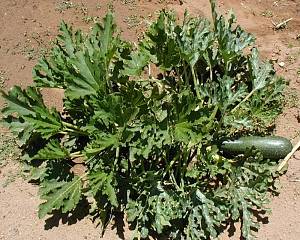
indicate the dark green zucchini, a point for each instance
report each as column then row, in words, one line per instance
column 271, row 147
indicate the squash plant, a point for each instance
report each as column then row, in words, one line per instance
column 144, row 122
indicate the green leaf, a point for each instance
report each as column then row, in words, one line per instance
column 66, row 38
column 248, row 219
column 22, row 101
column 89, row 78
column 135, row 66
column 231, row 39
column 47, row 73
column 228, row 96
column 81, row 65
column 32, row 114
column 47, row 124
column 53, row 150
column 161, row 41
column 203, row 218
column 261, row 72
column 194, row 39
column 39, row 173
column 107, row 41
column 101, row 142
column 23, row 130
column 55, row 70
column 103, row 183
column 59, row 195
column 237, row 122
column 183, row 132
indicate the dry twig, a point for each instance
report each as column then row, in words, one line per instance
column 281, row 24
column 287, row 158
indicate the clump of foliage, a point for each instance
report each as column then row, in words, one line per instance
column 145, row 122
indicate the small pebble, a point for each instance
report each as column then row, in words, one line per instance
column 274, row 59
column 281, row 64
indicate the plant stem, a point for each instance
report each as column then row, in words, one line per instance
column 70, row 125
column 210, row 73
column 186, row 156
column 115, row 164
column 170, row 164
column 76, row 154
column 76, row 131
column 226, row 67
column 72, row 128
column 108, row 82
column 178, row 167
column 210, row 69
column 244, row 100
column 149, row 70
column 213, row 116
column 214, row 12
column 195, row 82
column 63, row 132
column 174, row 181
column 185, row 73
column 179, row 78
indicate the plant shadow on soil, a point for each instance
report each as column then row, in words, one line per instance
column 119, row 225
column 230, row 227
column 82, row 211
column 78, row 214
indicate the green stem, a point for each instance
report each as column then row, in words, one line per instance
column 70, row 125
column 234, row 109
column 223, row 114
column 63, row 132
column 195, row 82
column 244, row 100
column 116, row 158
column 174, row 181
column 226, row 67
column 170, row 164
column 107, row 76
column 192, row 155
column 212, row 116
column 79, row 132
column 186, row 156
column 179, row 78
column 178, row 167
column 72, row 128
column 76, row 154
column 214, row 13
column 210, row 68
column 185, row 74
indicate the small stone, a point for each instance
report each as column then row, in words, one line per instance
column 281, row 64
column 274, row 59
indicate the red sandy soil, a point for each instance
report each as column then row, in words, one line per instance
column 27, row 26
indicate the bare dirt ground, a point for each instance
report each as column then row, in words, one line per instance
column 27, row 26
